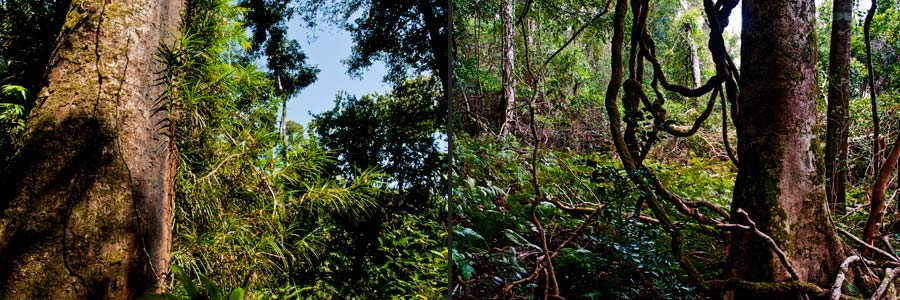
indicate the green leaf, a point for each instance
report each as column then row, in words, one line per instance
column 11, row 89
column 186, row 282
column 518, row 239
column 237, row 294
column 211, row 288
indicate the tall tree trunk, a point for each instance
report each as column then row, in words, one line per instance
column 779, row 181
column 838, row 102
column 434, row 14
column 693, row 58
column 87, row 210
column 508, row 96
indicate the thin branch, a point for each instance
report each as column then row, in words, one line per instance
column 889, row 275
column 728, row 150
column 698, row 122
column 539, row 266
column 842, row 274
column 534, row 172
column 687, row 207
column 265, row 182
column 864, row 244
column 876, row 158
column 887, row 243
column 774, row 246
column 233, row 155
column 877, row 207
column 577, row 33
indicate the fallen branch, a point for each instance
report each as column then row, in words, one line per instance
column 842, row 274
column 889, row 275
column 864, row 244
column 770, row 287
column 887, row 243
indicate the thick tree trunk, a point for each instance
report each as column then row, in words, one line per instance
column 780, row 181
column 86, row 213
column 838, row 102
column 508, row 95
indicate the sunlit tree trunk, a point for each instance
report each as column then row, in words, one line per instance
column 780, row 182
column 693, row 58
column 508, row 95
column 86, row 213
column 838, row 102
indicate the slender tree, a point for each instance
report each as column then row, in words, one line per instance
column 508, row 96
column 693, row 58
column 87, row 209
column 838, row 102
column 779, row 183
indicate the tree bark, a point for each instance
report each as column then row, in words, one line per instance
column 877, row 205
column 838, row 103
column 436, row 39
column 693, row 58
column 780, row 182
column 87, row 211
column 508, row 95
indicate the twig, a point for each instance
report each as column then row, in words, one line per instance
column 864, row 244
column 220, row 165
column 889, row 275
column 577, row 32
column 265, row 182
column 551, row 273
column 772, row 244
column 887, row 243
column 541, row 266
column 842, row 274
column 686, row 207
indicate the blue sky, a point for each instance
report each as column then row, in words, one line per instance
column 326, row 46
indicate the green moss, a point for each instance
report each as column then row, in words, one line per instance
column 815, row 148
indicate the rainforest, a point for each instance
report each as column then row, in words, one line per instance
column 462, row 149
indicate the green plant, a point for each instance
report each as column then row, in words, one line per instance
column 208, row 290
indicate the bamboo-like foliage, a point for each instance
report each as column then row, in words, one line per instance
column 244, row 216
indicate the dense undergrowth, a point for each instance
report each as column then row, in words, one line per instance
column 605, row 251
column 607, row 243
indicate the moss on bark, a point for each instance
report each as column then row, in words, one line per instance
column 89, row 210
column 780, row 178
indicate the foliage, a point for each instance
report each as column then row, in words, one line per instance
column 209, row 290
column 282, row 226
column 286, row 63
column 612, row 257
column 28, row 34
column 561, row 73
column 397, row 134
column 571, row 85
column 12, row 122
column 409, row 36
column 283, row 217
